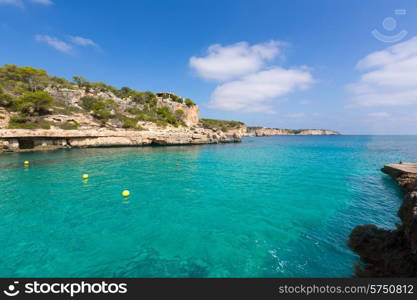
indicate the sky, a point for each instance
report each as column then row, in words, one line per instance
column 346, row 65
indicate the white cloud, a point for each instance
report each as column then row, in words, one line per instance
column 12, row 2
column 232, row 61
column 249, row 79
column 254, row 92
column 389, row 77
column 55, row 43
column 78, row 40
column 20, row 3
column 44, row 2
column 379, row 114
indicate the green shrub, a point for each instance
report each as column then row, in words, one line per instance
column 134, row 110
column 143, row 117
column 176, row 98
column 100, row 111
column 165, row 115
column 21, row 79
column 35, row 103
column 69, row 126
column 124, row 92
column 60, row 82
column 100, row 108
column 87, row 102
column 147, row 98
column 189, row 102
column 96, row 86
column 179, row 114
column 223, row 125
column 23, row 122
column 6, row 100
column 129, row 123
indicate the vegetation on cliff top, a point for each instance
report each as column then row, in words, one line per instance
column 22, row 91
column 223, row 125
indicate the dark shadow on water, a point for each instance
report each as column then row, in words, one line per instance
column 149, row 263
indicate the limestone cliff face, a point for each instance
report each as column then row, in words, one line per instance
column 191, row 115
column 391, row 253
column 262, row 131
column 92, row 133
column 4, row 118
column 22, row 139
column 239, row 131
column 71, row 97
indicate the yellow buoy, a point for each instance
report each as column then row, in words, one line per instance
column 125, row 193
column 85, row 176
column 26, row 163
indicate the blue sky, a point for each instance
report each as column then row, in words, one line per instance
column 288, row 64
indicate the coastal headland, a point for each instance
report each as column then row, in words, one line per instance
column 43, row 112
column 391, row 253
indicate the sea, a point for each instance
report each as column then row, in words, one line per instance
column 280, row 206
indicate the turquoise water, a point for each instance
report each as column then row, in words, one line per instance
column 267, row 207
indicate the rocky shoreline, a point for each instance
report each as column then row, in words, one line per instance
column 391, row 253
column 15, row 140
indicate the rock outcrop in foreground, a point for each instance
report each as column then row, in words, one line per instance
column 391, row 253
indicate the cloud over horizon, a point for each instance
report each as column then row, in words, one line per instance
column 253, row 92
column 66, row 47
column 389, row 76
column 249, row 81
column 54, row 43
column 227, row 62
column 81, row 41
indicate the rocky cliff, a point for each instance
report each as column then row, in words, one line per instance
column 237, row 131
column 262, row 131
column 40, row 111
column 391, row 253
column 21, row 139
column 72, row 98
column 92, row 132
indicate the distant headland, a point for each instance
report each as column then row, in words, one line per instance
column 43, row 112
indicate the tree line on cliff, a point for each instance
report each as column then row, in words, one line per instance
column 23, row 93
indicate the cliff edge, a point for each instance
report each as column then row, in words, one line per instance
column 391, row 253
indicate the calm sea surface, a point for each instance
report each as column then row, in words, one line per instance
column 267, row 207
